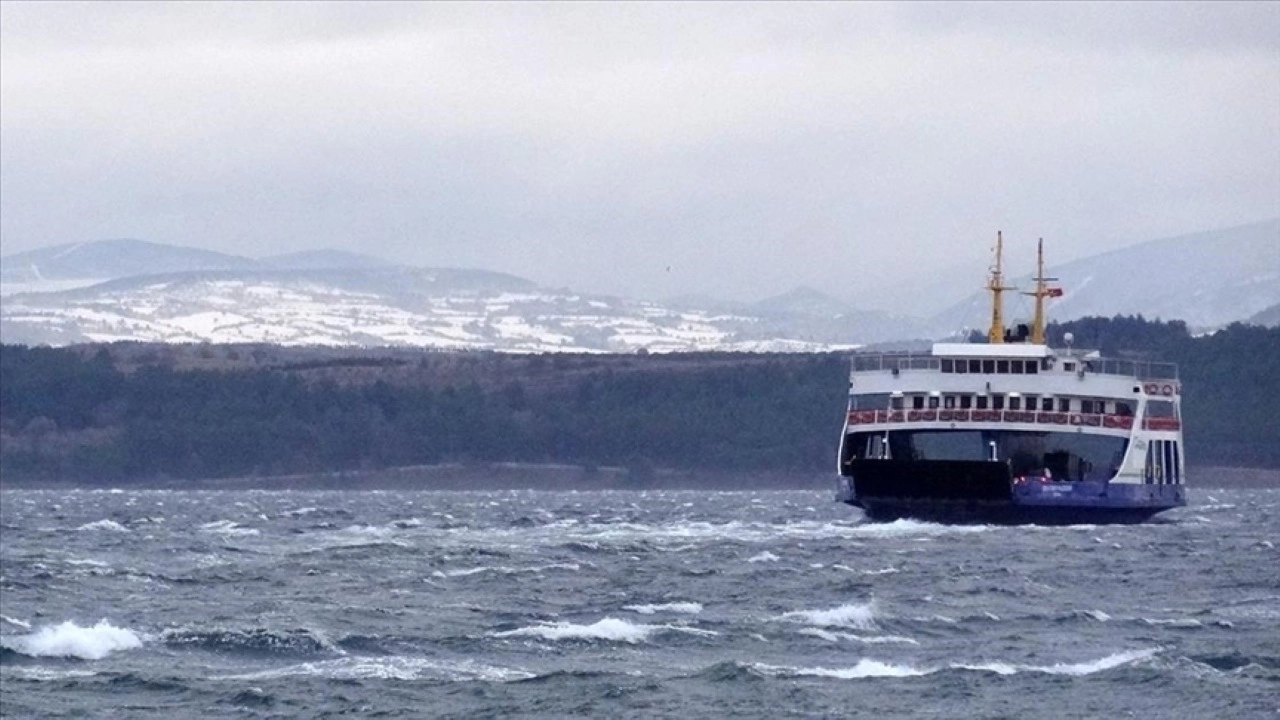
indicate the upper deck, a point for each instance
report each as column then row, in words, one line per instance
column 1007, row 359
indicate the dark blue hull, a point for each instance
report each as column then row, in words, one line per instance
column 983, row 492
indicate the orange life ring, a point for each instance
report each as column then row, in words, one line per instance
column 913, row 416
column 1166, row 390
column 1151, row 388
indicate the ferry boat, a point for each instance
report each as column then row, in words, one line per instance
column 1012, row 430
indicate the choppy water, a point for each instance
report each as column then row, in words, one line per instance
column 624, row 604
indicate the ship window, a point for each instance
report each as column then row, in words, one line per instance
column 1016, row 367
column 895, row 402
column 981, row 403
column 1032, row 402
column 1046, row 404
column 1160, row 408
column 1015, row 403
column 988, row 366
column 871, row 401
column 997, row 402
column 1002, row 367
column 1032, row 367
column 917, row 402
column 1064, row 404
column 966, row 402
column 962, row 365
column 949, row 402
column 933, row 402
column 1124, row 408
column 1086, row 407
column 947, row 364
column 1068, row 366
column 1177, row 463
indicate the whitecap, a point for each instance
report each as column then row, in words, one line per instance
column 1181, row 623
column 611, row 629
column 391, row 668
column 227, row 527
column 71, row 640
column 765, row 556
column 13, row 621
column 905, row 527
column 865, row 639
column 864, row 669
column 111, row 525
column 856, row 615
column 691, row 608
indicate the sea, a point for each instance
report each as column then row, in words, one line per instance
column 126, row 603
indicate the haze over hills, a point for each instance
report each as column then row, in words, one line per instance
column 163, row 293
column 1207, row 279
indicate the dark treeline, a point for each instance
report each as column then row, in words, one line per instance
column 121, row 412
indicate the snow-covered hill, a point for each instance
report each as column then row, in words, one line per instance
column 159, row 293
column 462, row 309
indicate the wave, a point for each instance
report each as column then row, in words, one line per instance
column 856, row 615
column 227, row 527
column 254, row 641
column 867, row 668
column 904, row 527
column 765, row 556
column 691, row 608
column 505, row 570
column 104, row 524
column 12, row 621
column 865, row 639
column 611, row 629
column 69, row 640
column 392, row 668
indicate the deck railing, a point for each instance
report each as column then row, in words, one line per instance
column 1105, row 420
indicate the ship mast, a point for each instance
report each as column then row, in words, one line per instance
column 1041, row 292
column 996, row 285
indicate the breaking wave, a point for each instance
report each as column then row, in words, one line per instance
column 70, row 640
column 866, row 668
column 610, row 629
column 691, row 608
column 110, row 525
column 855, row 615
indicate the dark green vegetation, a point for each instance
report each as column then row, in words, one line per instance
column 121, row 412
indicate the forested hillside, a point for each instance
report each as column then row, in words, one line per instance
column 121, row 412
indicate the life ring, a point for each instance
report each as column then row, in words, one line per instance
column 1166, row 390
column 913, row 416
column 1151, row 388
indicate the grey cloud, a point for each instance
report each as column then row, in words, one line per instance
column 658, row 149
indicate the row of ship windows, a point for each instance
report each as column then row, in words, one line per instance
column 1000, row 367
column 994, row 401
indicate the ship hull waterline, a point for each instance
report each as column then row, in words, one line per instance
column 964, row 492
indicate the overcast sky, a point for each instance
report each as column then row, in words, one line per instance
column 646, row 149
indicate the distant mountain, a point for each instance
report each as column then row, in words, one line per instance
column 1269, row 317
column 323, row 259
column 106, row 259
column 425, row 307
column 1207, row 279
column 802, row 300
column 160, row 293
